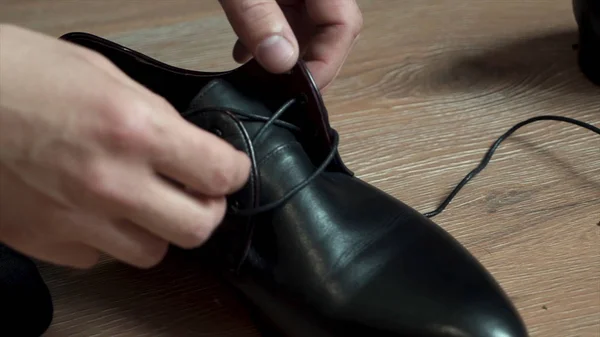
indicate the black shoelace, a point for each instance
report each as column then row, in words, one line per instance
column 275, row 120
column 488, row 156
column 269, row 121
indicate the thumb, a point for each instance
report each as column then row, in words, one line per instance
column 264, row 31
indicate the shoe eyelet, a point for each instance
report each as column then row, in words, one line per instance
column 303, row 99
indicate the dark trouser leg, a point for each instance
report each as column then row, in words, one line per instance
column 25, row 303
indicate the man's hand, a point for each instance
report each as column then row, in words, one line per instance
column 278, row 32
column 83, row 152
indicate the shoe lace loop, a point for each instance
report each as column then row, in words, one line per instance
column 275, row 120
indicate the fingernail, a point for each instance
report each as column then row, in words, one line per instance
column 275, row 52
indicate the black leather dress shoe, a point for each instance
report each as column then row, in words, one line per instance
column 587, row 14
column 315, row 250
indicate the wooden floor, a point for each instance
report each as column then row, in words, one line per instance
column 429, row 86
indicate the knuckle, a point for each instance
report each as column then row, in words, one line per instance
column 94, row 184
column 125, row 123
column 195, row 238
column 94, row 58
column 255, row 7
column 201, row 231
column 162, row 102
column 97, row 183
column 223, row 177
column 257, row 12
column 152, row 255
column 87, row 262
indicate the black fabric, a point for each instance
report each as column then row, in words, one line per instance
column 25, row 303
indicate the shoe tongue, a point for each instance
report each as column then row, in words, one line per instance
column 221, row 94
column 281, row 160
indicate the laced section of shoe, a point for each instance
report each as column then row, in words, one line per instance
column 275, row 120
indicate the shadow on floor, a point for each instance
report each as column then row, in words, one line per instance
column 178, row 298
column 529, row 65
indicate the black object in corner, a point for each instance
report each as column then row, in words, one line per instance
column 587, row 14
column 26, row 307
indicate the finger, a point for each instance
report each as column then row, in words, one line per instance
column 174, row 215
column 264, row 31
column 199, row 159
column 122, row 240
column 339, row 24
column 61, row 236
column 75, row 255
column 35, row 233
column 297, row 18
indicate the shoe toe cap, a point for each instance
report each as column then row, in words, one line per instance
column 433, row 287
column 482, row 324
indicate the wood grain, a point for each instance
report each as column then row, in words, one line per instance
column 428, row 87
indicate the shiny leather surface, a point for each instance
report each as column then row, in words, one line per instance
column 341, row 257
